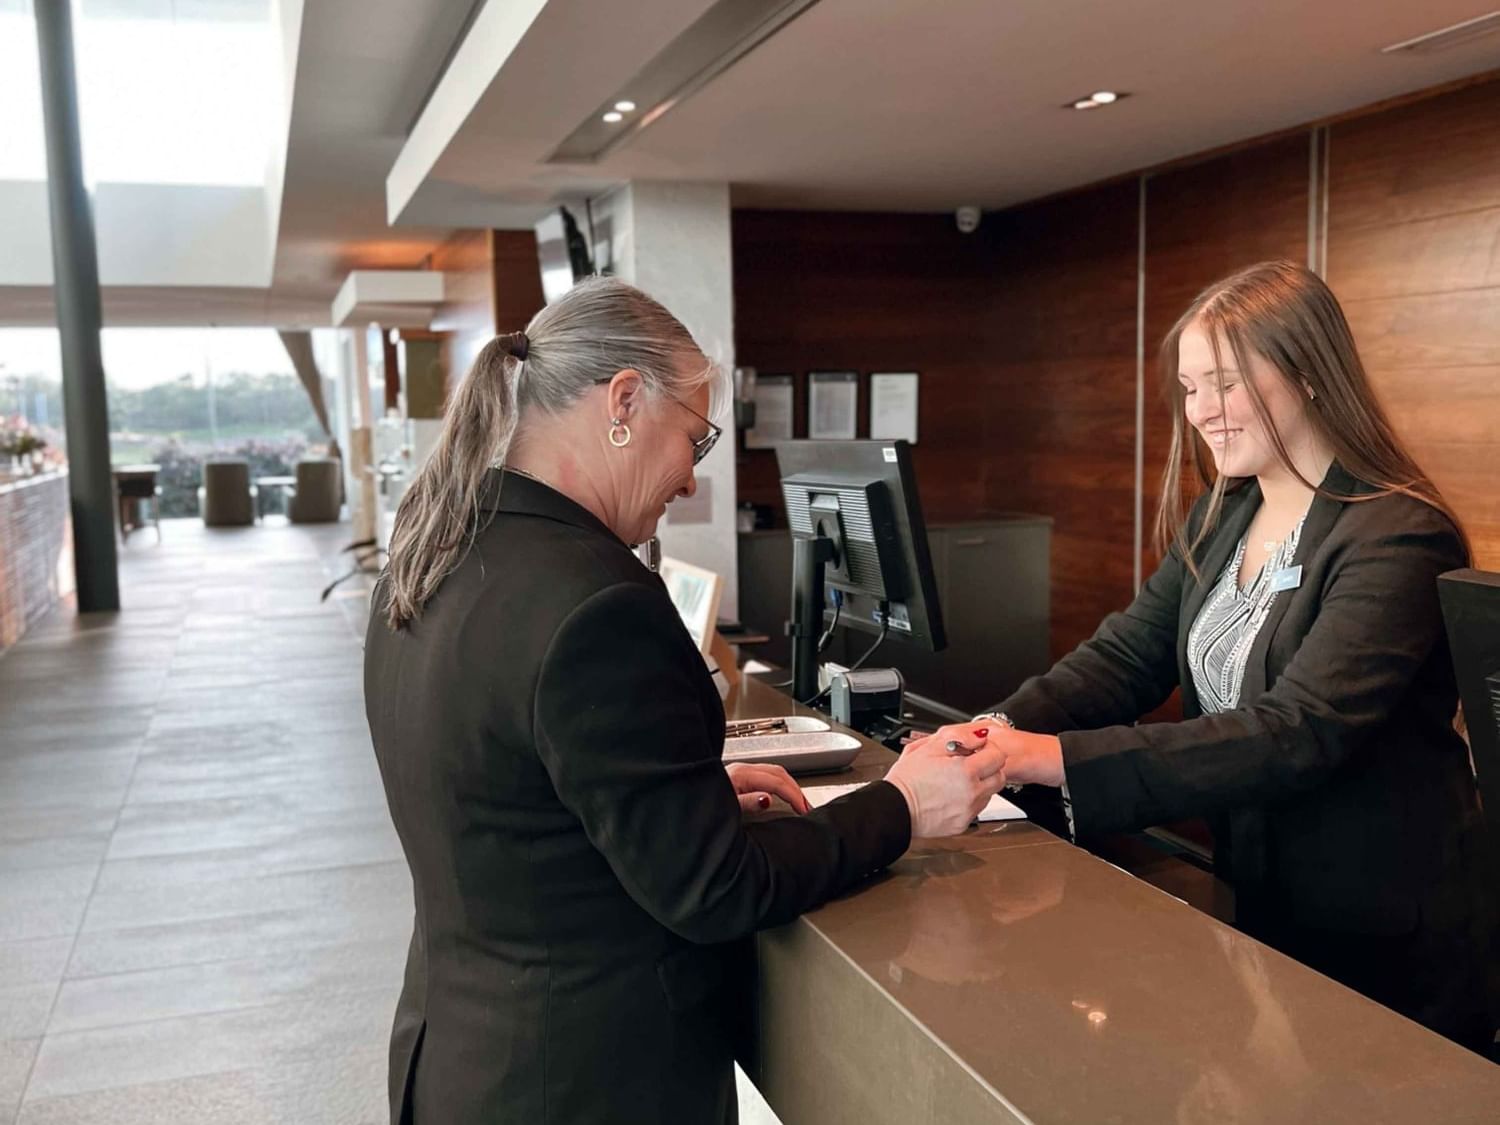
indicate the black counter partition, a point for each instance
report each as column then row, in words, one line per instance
column 1471, row 612
column 859, row 550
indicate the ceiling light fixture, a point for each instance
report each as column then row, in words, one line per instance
column 1445, row 37
column 1097, row 99
column 724, row 34
column 613, row 117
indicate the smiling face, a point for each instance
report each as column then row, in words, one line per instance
column 1236, row 433
column 664, row 430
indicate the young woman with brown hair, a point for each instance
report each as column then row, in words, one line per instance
column 1296, row 607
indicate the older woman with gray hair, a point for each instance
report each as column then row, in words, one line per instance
column 551, row 742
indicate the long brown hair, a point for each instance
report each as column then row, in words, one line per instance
column 1287, row 314
column 599, row 327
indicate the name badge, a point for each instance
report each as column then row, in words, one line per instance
column 1287, row 578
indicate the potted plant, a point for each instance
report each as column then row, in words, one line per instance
column 22, row 444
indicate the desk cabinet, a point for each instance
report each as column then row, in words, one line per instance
column 993, row 582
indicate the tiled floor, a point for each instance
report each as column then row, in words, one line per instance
column 203, row 907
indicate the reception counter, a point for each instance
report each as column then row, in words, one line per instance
column 1008, row 976
column 35, row 560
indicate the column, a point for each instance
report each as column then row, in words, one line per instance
column 75, row 273
column 672, row 240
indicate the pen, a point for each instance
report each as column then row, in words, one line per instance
column 738, row 728
column 956, row 747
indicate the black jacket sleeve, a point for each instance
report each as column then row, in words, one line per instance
column 1125, row 670
column 622, row 731
column 1376, row 627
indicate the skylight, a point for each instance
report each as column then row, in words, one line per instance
column 170, row 91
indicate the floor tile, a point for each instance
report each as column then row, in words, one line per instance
column 214, row 823
column 237, row 935
column 355, row 837
column 24, row 1010
column 251, row 982
column 38, row 961
column 347, row 1089
column 334, row 889
column 16, row 1056
column 53, row 851
column 161, row 1050
column 44, row 902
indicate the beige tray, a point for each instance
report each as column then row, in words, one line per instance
column 813, row 751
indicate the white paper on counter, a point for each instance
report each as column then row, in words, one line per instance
column 998, row 808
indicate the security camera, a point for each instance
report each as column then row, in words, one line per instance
column 968, row 219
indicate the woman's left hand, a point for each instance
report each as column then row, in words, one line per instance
column 1030, row 759
column 757, row 784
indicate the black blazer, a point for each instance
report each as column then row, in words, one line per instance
column 1340, row 795
column 550, row 744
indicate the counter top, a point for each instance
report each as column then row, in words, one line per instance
column 9, row 483
column 1007, row 975
column 995, row 519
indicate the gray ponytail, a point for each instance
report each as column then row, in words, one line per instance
column 597, row 328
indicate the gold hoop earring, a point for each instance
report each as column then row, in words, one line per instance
column 616, row 426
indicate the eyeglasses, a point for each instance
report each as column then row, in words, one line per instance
column 702, row 445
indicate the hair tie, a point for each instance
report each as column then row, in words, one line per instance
column 517, row 344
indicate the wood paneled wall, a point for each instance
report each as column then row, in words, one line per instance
column 494, row 284
column 1025, row 333
column 1414, row 256
column 1203, row 222
column 1057, row 389
column 838, row 291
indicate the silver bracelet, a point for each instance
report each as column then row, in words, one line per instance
column 995, row 716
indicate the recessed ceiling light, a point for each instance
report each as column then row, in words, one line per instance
column 1095, row 100
column 725, row 32
column 625, row 106
column 613, row 117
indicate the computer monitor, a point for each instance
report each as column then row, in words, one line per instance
column 857, row 528
column 1471, row 611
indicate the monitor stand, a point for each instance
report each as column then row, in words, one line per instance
column 809, row 557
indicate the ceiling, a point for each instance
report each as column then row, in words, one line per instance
column 364, row 68
column 857, row 104
column 894, row 105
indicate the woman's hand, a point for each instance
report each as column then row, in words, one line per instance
column 1030, row 759
column 757, row 784
column 945, row 792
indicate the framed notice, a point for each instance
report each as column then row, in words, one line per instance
column 893, row 406
column 774, row 396
column 695, row 592
column 832, row 402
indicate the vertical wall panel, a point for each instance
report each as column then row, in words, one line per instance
column 1414, row 254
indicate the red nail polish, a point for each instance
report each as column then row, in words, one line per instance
column 982, row 732
column 763, row 801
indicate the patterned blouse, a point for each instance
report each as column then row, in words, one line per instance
column 1224, row 631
